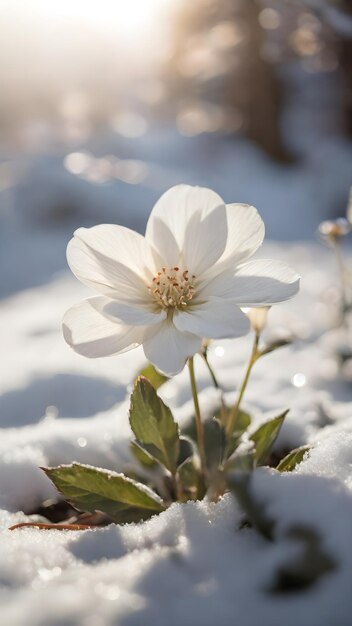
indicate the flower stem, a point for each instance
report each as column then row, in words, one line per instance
column 342, row 274
column 176, row 486
column 234, row 413
column 211, row 371
column 215, row 381
column 199, row 423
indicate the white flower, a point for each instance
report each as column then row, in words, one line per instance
column 184, row 281
column 333, row 230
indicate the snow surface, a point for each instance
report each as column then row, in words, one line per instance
column 192, row 564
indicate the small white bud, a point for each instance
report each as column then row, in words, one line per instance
column 332, row 230
column 258, row 318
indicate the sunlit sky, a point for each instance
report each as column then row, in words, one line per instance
column 129, row 21
column 129, row 17
column 54, row 46
column 84, row 61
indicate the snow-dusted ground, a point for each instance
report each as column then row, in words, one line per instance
column 191, row 565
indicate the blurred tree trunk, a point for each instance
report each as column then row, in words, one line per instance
column 345, row 56
column 248, row 87
column 338, row 15
column 262, row 96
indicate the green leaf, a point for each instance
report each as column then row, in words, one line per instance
column 296, row 456
column 155, row 378
column 93, row 489
column 243, row 419
column 265, row 436
column 153, row 424
column 242, row 422
column 142, row 456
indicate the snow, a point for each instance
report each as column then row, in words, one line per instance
column 191, row 564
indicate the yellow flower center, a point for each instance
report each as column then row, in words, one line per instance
column 172, row 288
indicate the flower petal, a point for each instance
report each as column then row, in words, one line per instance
column 113, row 260
column 215, row 319
column 165, row 243
column 246, row 232
column 205, row 240
column 168, row 349
column 174, row 209
column 89, row 333
column 222, row 285
column 127, row 314
column 256, row 283
column 264, row 282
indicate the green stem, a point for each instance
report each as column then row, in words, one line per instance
column 211, row 371
column 199, row 423
column 215, row 381
column 234, row 413
column 176, row 486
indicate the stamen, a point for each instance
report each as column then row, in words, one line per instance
column 175, row 289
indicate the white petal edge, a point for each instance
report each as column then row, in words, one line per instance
column 92, row 335
column 215, row 319
column 256, row 283
column 168, row 349
column 107, row 257
column 264, row 282
column 246, row 232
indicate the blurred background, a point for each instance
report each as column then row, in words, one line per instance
column 107, row 103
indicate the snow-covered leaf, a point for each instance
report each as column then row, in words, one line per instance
column 293, row 458
column 93, row 489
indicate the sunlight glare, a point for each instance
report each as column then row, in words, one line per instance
column 128, row 17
